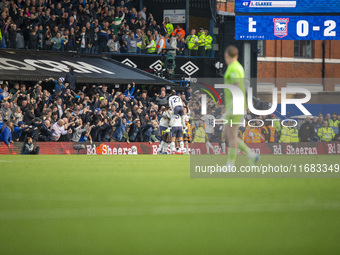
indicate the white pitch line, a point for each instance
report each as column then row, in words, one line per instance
column 64, row 213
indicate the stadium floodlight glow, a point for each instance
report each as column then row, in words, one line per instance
column 238, row 100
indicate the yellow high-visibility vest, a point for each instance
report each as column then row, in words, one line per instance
column 200, row 135
column 201, row 39
column 326, row 134
column 285, row 135
column 208, row 42
column 191, row 41
column 334, row 125
column 294, row 135
column 169, row 28
column 152, row 49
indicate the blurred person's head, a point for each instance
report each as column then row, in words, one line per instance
column 47, row 123
column 230, row 54
column 334, row 116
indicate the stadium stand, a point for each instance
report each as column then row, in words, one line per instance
column 104, row 113
column 92, row 27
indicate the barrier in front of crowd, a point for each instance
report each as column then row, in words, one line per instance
column 65, row 148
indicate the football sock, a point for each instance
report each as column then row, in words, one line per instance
column 208, row 145
column 181, row 145
column 183, row 122
column 245, row 149
column 172, row 147
column 165, row 147
column 232, row 153
column 187, row 145
column 160, row 146
column 223, row 147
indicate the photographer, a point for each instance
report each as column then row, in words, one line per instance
column 29, row 147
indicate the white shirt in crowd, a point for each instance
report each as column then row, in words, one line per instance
column 208, row 123
column 58, row 131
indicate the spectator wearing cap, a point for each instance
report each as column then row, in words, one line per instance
column 201, row 42
column 17, row 130
column 6, row 133
column 58, row 84
column 208, row 43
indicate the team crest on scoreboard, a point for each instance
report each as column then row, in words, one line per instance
column 281, row 27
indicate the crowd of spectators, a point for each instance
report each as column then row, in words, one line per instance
column 267, row 129
column 94, row 113
column 57, row 110
column 313, row 129
column 94, row 27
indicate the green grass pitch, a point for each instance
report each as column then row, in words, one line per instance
column 149, row 205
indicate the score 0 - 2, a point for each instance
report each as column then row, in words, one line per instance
column 303, row 26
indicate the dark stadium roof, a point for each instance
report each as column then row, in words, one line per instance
column 39, row 65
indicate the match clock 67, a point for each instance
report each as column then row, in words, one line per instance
column 287, row 28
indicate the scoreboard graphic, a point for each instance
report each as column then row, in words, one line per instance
column 287, row 28
column 288, row 6
column 287, row 20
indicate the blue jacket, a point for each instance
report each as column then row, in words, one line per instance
column 58, row 87
column 130, row 93
column 120, row 129
column 6, row 135
column 17, row 132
